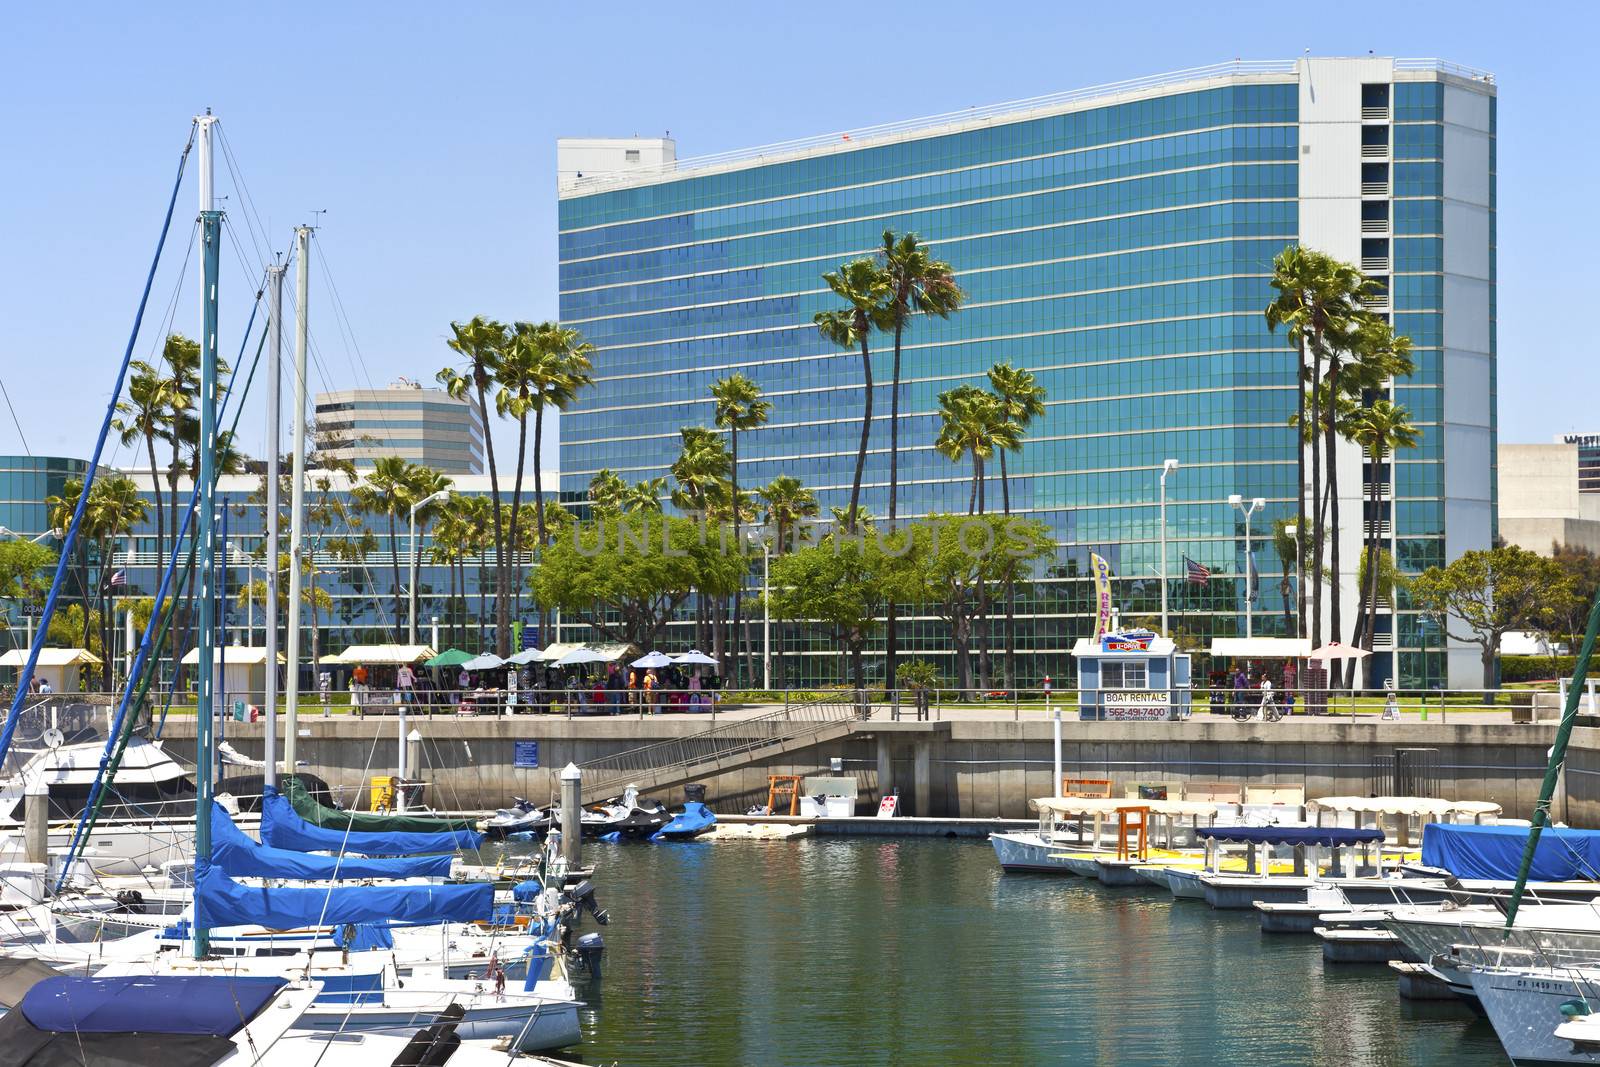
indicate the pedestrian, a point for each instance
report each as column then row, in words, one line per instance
column 634, row 685
column 614, row 688
column 651, row 682
column 694, row 691
column 1240, row 684
column 1289, row 677
column 1046, row 693
column 1266, row 695
column 44, row 686
column 464, row 680
column 405, row 679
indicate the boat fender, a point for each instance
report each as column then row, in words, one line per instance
column 1574, row 1009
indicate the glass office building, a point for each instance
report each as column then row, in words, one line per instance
column 1118, row 242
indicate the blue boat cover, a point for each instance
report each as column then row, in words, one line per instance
column 282, row 827
column 220, row 901
column 366, row 937
column 527, row 890
column 166, row 1004
column 240, row 857
column 1291, row 835
column 694, row 819
column 1495, row 852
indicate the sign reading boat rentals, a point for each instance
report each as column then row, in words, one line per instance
column 525, row 754
column 1135, row 704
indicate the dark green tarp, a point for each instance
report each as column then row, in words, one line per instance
column 364, row 821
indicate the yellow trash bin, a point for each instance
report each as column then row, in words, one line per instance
column 382, row 792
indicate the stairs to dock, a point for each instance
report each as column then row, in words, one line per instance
column 727, row 747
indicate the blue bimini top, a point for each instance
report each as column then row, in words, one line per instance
column 176, row 1004
column 1291, row 835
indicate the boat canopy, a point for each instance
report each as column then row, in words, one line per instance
column 165, row 1004
column 1406, row 806
column 220, row 901
column 241, row 857
column 283, row 828
column 1093, row 806
column 1332, row 836
column 19, row 976
column 1495, row 852
column 307, row 807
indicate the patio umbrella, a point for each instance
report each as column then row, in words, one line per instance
column 1334, row 650
column 694, row 655
column 486, row 662
column 652, row 659
column 525, row 657
column 450, row 657
column 580, row 656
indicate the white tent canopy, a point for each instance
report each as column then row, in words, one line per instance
column 1405, row 806
column 52, row 657
column 1099, row 806
column 1261, row 647
column 383, row 655
column 243, row 655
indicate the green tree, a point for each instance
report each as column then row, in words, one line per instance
column 23, row 570
column 644, row 495
column 113, row 510
column 1379, row 430
column 917, row 284
column 625, row 576
column 1317, row 299
column 482, row 344
column 738, row 409
column 1583, row 568
column 955, row 557
column 973, row 424
column 864, row 287
column 1290, row 543
column 145, row 417
column 390, row 489
column 843, row 582
column 1492, row 592
column 788, row 503
column 606, row 491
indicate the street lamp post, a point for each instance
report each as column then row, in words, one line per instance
column 1256, row 504
column 411, row 596
column 760, row 533
column 1168, row 466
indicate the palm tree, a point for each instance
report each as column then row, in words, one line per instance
column 1022, row 399
column 606, row 490
column 738, row 407
column 477, row 522
column 701, row 471
column 544, row 366
column 388, row 491
column 917, row 283
column 788, row 503
column 645, row 496
column 483, row 343
column 144, row 417
column 1317, row 298
column 864, row 287
column 1379, row 429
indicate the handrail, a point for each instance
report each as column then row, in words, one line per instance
column 721, row 742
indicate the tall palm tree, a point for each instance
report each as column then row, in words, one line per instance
column 701, row 472
column 788, row 503
column 917, row 283
column 477, row 519
column 864, row 287
column 388, row 490
column 482, row 342
column 1022, row 400
column 545, row 365
column 1317, row 298
column 144, row 417
column 738, row 408
column 1379, row 429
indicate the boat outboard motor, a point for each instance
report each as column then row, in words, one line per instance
column 590, row 948
column 433, row 1046
column 582, row 897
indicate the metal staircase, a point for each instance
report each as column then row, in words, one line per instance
column 728, row 747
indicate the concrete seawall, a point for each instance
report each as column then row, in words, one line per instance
column 960, row 768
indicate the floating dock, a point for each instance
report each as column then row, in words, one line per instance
column 870, row 826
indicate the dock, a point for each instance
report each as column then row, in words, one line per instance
column 869, row 826
column 1345, row 945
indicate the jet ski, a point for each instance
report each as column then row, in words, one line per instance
column 694, row 820
column 521, row 818
column 627, row 816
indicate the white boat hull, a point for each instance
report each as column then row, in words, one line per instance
column 1525, row 1010
column 1028, row 850
column 530, row 1027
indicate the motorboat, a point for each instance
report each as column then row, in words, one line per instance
column 1541, row 1014
column 1051, row 848
column 694, row 820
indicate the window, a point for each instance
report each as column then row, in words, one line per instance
column 1123, row 674
column 630, row 155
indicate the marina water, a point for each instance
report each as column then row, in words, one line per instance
column 876, row 951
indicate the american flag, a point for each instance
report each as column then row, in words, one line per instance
column 118, row 577
column 1196, row 573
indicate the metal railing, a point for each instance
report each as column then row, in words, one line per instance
column 722, row 744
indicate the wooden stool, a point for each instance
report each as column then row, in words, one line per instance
column 1133, row 832
column 780, row 786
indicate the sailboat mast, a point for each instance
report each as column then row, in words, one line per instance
column 297, row 487
column 274, row 442
column 210, row 242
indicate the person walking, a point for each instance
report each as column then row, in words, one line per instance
column 651, row 693
column 614, row 688
column 1240, row 684
column 1267, row 707
column 405, row 680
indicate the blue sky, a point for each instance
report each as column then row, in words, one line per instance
column 427, row 134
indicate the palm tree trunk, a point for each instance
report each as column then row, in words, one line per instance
column 538, row 514
column 394, row 564
column 891, row 638
column 1329, row 449
column 980, row 631
column 1374, row 553
column 866, row 432
column 161, row 519
column 515, row 578
column 502, row 637
column 1316, row 498
column 1300, row 501
column 741, row 656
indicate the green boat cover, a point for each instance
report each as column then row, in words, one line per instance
column 363, row 821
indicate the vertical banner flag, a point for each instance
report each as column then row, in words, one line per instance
column 1102, row 594
column 1255, row 578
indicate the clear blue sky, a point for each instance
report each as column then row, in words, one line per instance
column 428, row 131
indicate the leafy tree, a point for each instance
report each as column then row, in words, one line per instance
column 953, row 558
column 843, row 582
column 864, row 287
column 1583, row 568
column 625, row 576
column 482, row 343
column 1492, row 592
column 739, row 408
column 22, row 570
